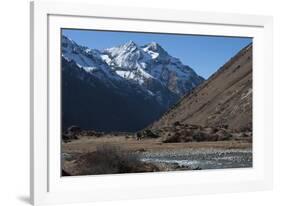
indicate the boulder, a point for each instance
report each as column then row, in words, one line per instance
column 186, row 132
column 223, row 135
column 74, row 129
column 204, row 136
column 210, row 130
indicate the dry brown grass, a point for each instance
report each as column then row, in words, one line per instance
column 89, row 144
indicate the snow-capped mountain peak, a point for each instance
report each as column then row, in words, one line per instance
column 154, row 47
column 83, row 56
column 130, row 45
column 88, row 59
column 128, row 56
column 147, row 65
column 156, row 51
column 121, row 86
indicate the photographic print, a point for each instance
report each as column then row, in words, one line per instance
column 136, row 102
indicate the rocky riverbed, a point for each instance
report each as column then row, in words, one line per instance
column 203, row 158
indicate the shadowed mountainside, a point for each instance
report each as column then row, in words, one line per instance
column 87, row 101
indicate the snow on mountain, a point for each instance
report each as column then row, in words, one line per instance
column 83, row 56
column 151, row 61
column 129, row 61
column 88, row 59
column 179, row 78
column 129, row 56
column 149, row 66
column 155, row 51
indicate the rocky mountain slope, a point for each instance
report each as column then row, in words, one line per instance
column 123, row 88
column 224, row 100
column 90, row 103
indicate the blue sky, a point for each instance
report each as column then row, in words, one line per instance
column 205, row 54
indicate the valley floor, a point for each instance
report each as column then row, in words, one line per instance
column 153, row 152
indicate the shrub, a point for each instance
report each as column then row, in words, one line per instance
column 68, row 137
column 64, row 173
column 173, row 139
column 109, row 159
column 177, row 137
column 139, row 134
column 150, row 134
column 199, row 136
column 177, row 123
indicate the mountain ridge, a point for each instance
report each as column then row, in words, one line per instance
column 147, row 73
column 223, row 100
column 138, row 63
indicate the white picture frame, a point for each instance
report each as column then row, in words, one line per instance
column 47, row 186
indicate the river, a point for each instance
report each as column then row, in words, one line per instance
column 201, row 158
